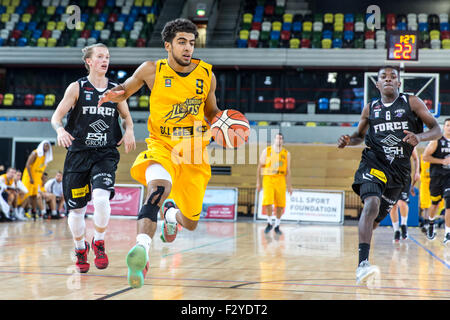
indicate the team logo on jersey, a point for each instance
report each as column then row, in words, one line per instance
column 182, row 110
column 391, row 140
column 399, row 112
column 168, row 82
column 99, row 125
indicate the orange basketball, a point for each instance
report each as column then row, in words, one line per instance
column 230, row 128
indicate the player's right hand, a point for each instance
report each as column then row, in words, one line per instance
column 64, row 138
column 108, row 96
column 343, row 141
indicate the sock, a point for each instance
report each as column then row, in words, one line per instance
column 98, row 235
column 80, row 244
column 44, row 212
column 144, row 240
column 363, row 251
column 269, row 220
column 404, row 220
column 395, row 226
column 447, row 229
column 171, row 215
column 277, row 222
column 431, row 220
column 53, row 212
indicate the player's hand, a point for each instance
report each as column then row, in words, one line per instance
column 258, row 186
column 446, row 161
column 411, row 138
column 64, row 138
column 343, row 141
column 108, row 96
column 290, row 190
column 128, row 139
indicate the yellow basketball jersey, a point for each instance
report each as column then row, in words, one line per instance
column 177, row 104
column 37, row 170
column 424, row 170
column 9, row 182
column 276, row 162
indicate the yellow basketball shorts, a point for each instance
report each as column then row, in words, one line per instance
column 274, row 190
column 189, row 180
column 425, row 197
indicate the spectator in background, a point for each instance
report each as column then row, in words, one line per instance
column 46, row 199
column 21, row 197
column 54, row 187
column 8, row 187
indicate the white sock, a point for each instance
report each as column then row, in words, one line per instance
column 447, row 229
column 404, row 220
column 277, row 222
column 171, row 215
column 269, row 220
column 44, row 212
column 395, row 226
column 144, row 240
column 98, row 235
column 53, row 212
column 80, row 244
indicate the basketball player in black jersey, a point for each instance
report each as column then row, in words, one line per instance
column 391, row 126
column 437, row 153
column 91, row 136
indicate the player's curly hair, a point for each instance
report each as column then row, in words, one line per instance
column 390, row 67
column 178, row 25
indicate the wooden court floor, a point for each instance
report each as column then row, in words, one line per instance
column 223, row 261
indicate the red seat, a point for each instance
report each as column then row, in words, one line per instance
column 278, row 103
column 112, row 17
column 256, row 26
column 85, row 33
column 140, row 43
column 348, row 26
column 46, row 34
column 97, row 10
column 1, row 98
column 306, row 43
column 445, row 34
column 370, row 34
column 29, row 99
column 289, row 103
column 285, row 35
column 269, row 10
column 16, row 34
column 390, row 26
column 390, row 18
column 31, row 10
column 252, row 43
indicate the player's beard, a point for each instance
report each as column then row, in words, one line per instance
column 181, row 62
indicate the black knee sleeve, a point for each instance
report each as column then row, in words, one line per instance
column 447, row 202
column 151, row 208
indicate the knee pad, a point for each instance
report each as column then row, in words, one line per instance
column 102, row 208
column 76, row 221
column 447, row 202
column 151, row 208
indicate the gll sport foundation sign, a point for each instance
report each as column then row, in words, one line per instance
column 127, row 200
column 322, row 206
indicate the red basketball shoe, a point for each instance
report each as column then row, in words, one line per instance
column 82, row 264
column 101, row 258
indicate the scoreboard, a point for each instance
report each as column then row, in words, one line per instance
column 402, row 45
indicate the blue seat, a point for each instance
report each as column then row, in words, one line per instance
column 22, row 42
column 95, row 34
column 32, row 25
column 349, row 17
column 84, row 17
column 20, row 10
column 323, row 103
column 327, row 34
column 402, row 26
column 445, row 26
column 297, row 26
column 259, row 10
column 275, row 35
column 37, row 34
column 21, row 26
column 348, row 35
column 128, row 26
column 60, row 10
column 242, row 43
column 337, row 43
column 111, row 3
column 14, row 119
column 122, row 17
column 423, row 26
column 39, row 100
column 1, row 42
column 286, row 26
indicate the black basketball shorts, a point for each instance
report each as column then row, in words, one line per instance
column 439, row 187
column 88, row 170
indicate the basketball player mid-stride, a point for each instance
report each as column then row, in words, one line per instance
column 182, row 95
column 392, row 126
column 91, row 135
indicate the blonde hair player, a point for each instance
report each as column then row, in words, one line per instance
column 182, row 95
column 91, row 136
column 275, row 167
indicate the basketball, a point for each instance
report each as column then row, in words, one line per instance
column 230, row 128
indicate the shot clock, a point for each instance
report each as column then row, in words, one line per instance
column 403, row 45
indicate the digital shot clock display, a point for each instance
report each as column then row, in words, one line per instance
column 403, row 45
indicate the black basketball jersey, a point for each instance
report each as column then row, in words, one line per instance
column 92, row 126
column 385, row 133
column 442, row 151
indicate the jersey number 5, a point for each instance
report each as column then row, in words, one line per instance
column 199, row 85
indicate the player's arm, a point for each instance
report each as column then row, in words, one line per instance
column 144, row 74
column 428, row 154
column 68, row 102
column 127, row 124
column 358, row 136
column 261, row 162
column 416, row 160
column 211, row 108
column 31, row 159
column 288, row 174
column 421, row 110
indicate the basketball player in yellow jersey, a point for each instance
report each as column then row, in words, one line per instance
column 175, row 165
column 275, row 167
column 34, row 169
column 8, row 185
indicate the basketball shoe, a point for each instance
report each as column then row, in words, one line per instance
column 396, row 236
column 404, row 230
column 366, row 272
column 81, row 255
column 431, row 234
column 277, row 230
column 268, row 228
column 168, row 230
column 138, row 264
column 447, row 238
column 101, row 258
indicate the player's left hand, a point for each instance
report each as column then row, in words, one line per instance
column 128, row 139
column 411, row 138
column 290, row 190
